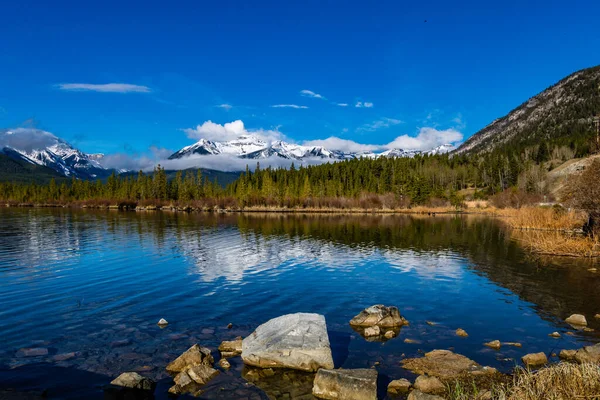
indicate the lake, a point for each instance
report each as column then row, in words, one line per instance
column 89, row 286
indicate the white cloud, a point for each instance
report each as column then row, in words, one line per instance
column 426, row 139
column 342, row 104
column 230, row 131
column 105, row 88
column 310, row 93
column 345, row 145
column 366, row 104
column 26, row 139
column 288, row 106
column 378, row 124
column 225, row 106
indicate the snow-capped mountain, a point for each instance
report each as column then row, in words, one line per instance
column 253, row 147
column 43, row 148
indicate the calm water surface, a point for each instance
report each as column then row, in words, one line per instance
column 95, row 284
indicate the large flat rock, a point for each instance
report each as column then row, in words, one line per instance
column 297, row 341
column 444, row 364
column 347, row 384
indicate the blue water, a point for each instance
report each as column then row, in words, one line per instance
column 95, row 284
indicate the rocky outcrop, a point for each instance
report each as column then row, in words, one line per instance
column 379, row 315
column 297, row 341
column 588, row 354
column 191, row 370
column 133, row 380
column 399, row 386
column 444, row 364
column 348, row 384
column 534, row 359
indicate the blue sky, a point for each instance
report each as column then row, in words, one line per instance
column 429, row 67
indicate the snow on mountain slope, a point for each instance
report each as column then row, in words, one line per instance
column 253, row 147
column 43, row 148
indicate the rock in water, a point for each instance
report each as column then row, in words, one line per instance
column 534, row 359
column 192, row 369
column 297, row 341
column 163, row 322
column 461, row 332
column 133, row 380
column 380, row 315
column 372, row 331
column 347, row 384
column 577, row 320
column 494, row 344
column 418, row 395
column 399, row 386
column 231, row 348
column 193, row 356
column 589, row 354
column 429, row 384
column 444, row 364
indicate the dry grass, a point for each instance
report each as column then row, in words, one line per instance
column 562, row 381
column 558, row 243
column 543, row 218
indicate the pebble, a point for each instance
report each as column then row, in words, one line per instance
column 223, row 363
column 230, row 325
column 163, row 322
column 554, row 335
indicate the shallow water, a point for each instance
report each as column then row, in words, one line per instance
column 95, row 284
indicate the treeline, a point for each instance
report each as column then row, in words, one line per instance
column 438, row 180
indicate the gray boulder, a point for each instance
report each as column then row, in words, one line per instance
column 380, row 315
column 297, row 341
column 348, row 384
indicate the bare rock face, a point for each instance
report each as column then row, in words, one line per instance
column 348, row 384
column 444, row 364
column 576, row 320
column 534, row 359
column 399, row 386
column 297, row 341
column 133, row 380
column 588, row 354
column 418, row 395
column 231, row 348
column 191, row 370
column 380, row 315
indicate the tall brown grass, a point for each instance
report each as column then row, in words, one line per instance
column 543, row 218
column 562, row 381
column 559, row 243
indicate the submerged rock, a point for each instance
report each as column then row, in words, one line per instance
column 380, row 315
column 296, row 341
column 32, row 352
column 399, row 386
column 577, row 320
column 418, row 395
column 231, row 348
column 390, row 335
column 444, row 364
column 429, row 384
column 133, row 380
column 281, row 383
column 223, row 363
column 535, row 359
column 588, row 354
column 348, row 384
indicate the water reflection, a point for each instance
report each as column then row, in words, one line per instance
column 95, row 283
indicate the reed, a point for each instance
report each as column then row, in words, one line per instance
column 543, row 218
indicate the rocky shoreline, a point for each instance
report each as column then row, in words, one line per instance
column 295, row 350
